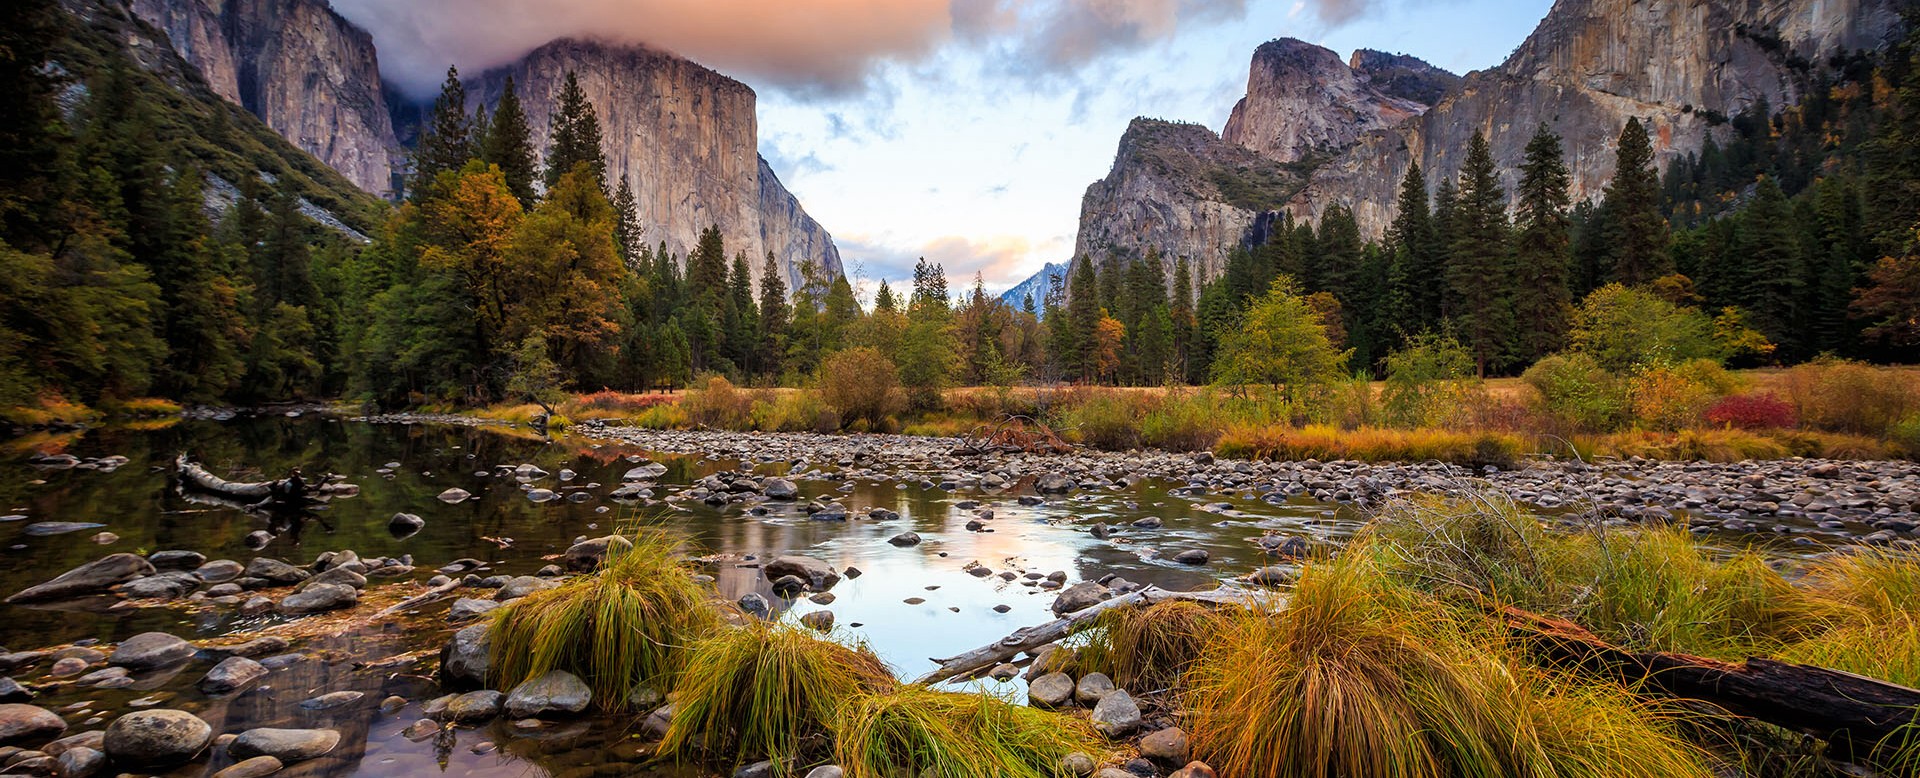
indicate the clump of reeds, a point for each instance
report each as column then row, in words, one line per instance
column 619, row 629
column 920, row 732
column 767, row 691
column 1870, row 601
column 1151, row 648
column 1363, row 675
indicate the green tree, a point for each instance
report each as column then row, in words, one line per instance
column 1279, row 343
column 774, row 315
column 1542, row 250
column 575, row 138
column 627, row 232
column 1479, row 273
column 508, row 145
column 447, row 140
column 1622, row 327
column 1637, row 230
column 1769, row 242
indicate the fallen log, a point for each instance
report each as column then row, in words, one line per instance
column 1856, row 715
column 197, row 477
column 1035, row 636
column 418, row 600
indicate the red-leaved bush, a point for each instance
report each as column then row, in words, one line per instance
column 1752, row 412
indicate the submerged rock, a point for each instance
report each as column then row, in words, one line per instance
column 232, row 673
column 553, row 693
column 286, row 745
column 149, row 650
column 475, row 707
column 94, row 577
column 156, row 738
column 255, row 767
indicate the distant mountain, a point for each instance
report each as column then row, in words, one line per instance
column 1035, row 285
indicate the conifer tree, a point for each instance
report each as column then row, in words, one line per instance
column 447, row 142
column 1446, row 198
column 883, row 299
column 1180, row 315
column 508, row 144
column 1413, row 300
column 1084, row 313
column 576, row 136
column 627, row 232
column 1542, row 250
column 773, row 317
column 1478, row 271
column 1636, row 228
column 1770, row 247
column 743, row 336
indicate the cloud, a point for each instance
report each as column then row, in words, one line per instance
column 810, row 48
column 999, row 259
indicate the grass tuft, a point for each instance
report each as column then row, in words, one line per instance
column 767, row 691
column 932, row 734
column 1149, row 648
column 620, row 629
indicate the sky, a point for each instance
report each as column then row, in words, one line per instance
column 964, row 131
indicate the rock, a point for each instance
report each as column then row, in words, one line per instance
column 338, row 576
column 821, row 620
column 542, row 495
column 1092, row 688
column 255, row 767
column 392, row 704
column 587, row 555
column 1273, row 576
column 149, row 650
column 405, row 524
column 645, row 472
column 475, row 707
column 184, row 561
column 45, row 528
column 1053, row 690
column 95, row 739
column 1053, row 483
column 67, row 667
column 1194, row 770
column 156, row 738
column 755, row 770
column 1080, row 596
column 258, row 539
column 550, row 694
column 421, row 729
column 286, row 745
column 319, row 599
column 523, row 585
column 219, row 571
column 469, row 608
column 1076, row 764
column 94, row 577
column 275, row 571
column 256, row 606
column 827, row 771
column 817, row 574
column 232, row 673
column 755, row 604
column 463, row 663
column 257, row 647
column 1004, row 672
column 28, row 724
column 12, row 691
column 163, row 586
column 1167, row 746
column 1116, row 715
column 779, row 489
column 80, row 762
column 332, row 700
column 454, row 495
column 905, row 539
column 1192, row 556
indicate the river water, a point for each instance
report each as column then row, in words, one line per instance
column 910, row 604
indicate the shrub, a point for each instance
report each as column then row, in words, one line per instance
column 1426, row 380
column 617, row 630
column 920, row 732
column 768, row 691
column 1576, row 389
column 861, row 383
column 1752, row 412
column 800, row 410
column 717, row 403
column 1182, row 420
column 1848, row 396
column 1621, row 327
column 1369, row 444
column 1905, row 436
column 1669, row 397
column 1107, row 419
column 662, row 417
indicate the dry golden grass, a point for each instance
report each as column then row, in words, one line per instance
column 932, row 734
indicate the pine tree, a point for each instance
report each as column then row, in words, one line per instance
column 1636, row 228
column 743, row 331
column 1771, row 248
column 1084, row 313
column 508, row 144
column 1180, row 315
column 1340, row 255
column 930, row 296
column 447, row 142
column 1413, row 300
column 1478, row 273
column 1542, row 250
column 774, row 314
column 576, row 136
column 883, row 299
column 1446, row 200
column 627, row 231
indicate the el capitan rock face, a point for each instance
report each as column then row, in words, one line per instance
column 1587, row 68
column 309, row 74
column 687, row 140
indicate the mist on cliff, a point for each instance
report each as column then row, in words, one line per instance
column 808, row 47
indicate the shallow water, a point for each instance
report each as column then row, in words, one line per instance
column 954, row 611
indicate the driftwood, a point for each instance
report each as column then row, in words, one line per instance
column 292, row 492
column 1856, row 715
column 418, row 600
column 1032, row 637
column 1012, row 436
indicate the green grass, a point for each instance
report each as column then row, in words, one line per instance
column 623, row 628
column 920, row 732
column 767, row 691
column 1363, row 675
column 1151, row 648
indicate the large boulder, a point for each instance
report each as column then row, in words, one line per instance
column 286, row 745
column 779, row 489
column 586, row 555
column 319, row 599
column 1117, row 715
column 28, row 724
column 463, row 663
column 816, row 573
column 149, row 650
column 150, row 739
column 94, row 577
column 552, row 693
column 1080, row 596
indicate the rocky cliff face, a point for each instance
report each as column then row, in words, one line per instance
column 1178, row 188
column 308, row 73
column 1302, row 102
column 1588, row 67
column 1403, row 76
column 686, row 139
